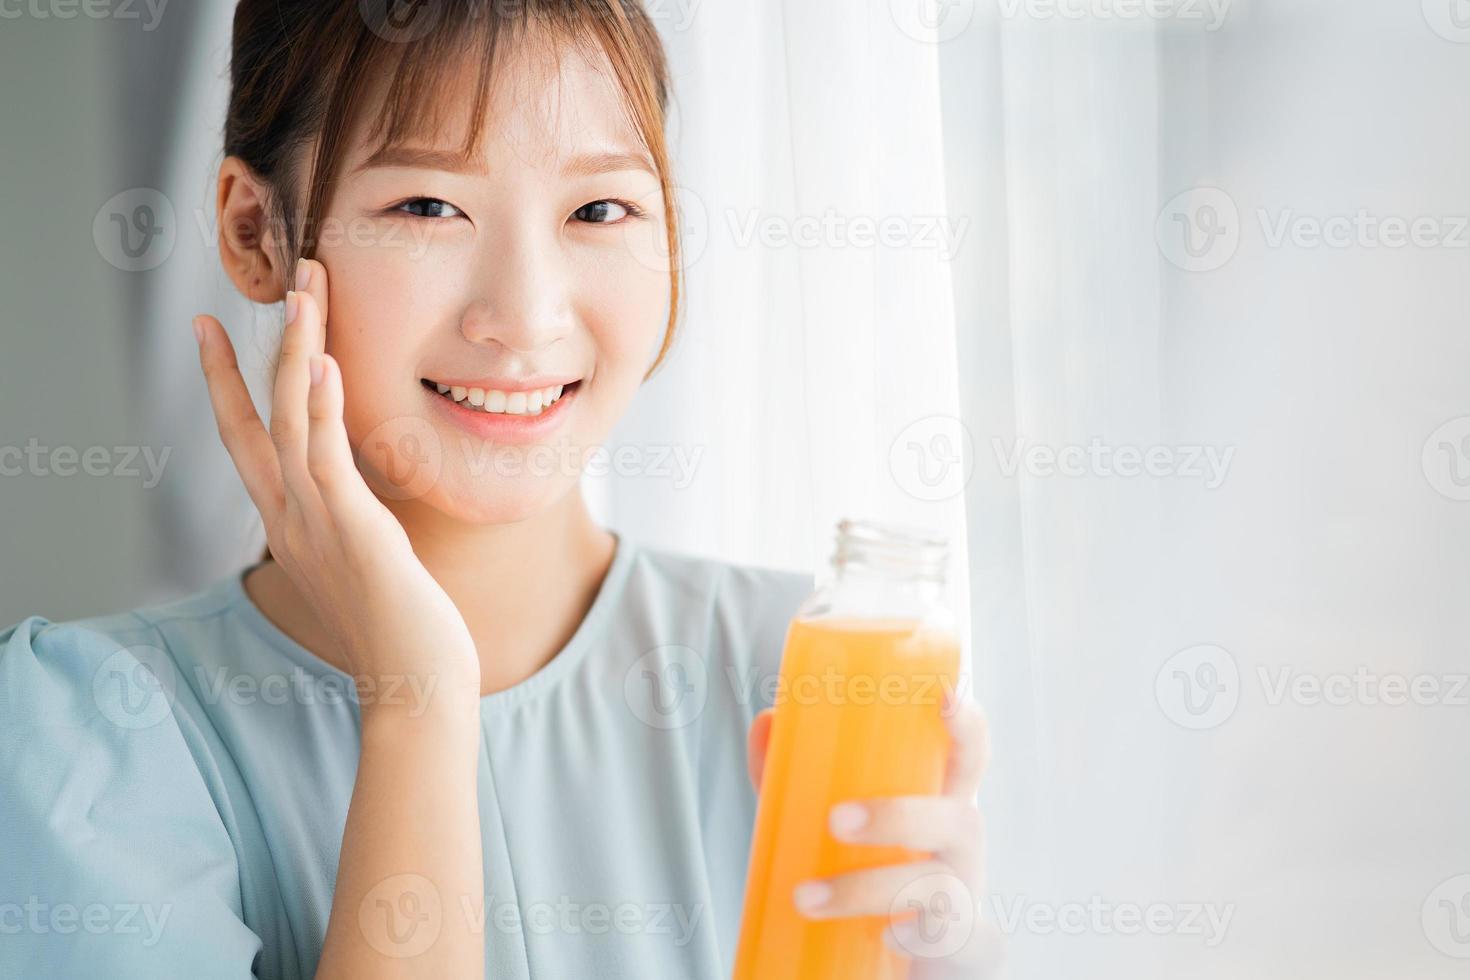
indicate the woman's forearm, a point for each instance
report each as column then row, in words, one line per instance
column 410, row 883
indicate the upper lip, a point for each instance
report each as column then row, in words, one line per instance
column 532, row 383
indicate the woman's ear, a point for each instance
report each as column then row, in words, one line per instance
column 249, row 242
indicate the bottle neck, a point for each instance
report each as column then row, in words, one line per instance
column 883, row 585
column 902, row 555
column 883, row 573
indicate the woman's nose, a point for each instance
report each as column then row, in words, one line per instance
column 523, row 298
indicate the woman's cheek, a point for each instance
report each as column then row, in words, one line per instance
column 626, row 306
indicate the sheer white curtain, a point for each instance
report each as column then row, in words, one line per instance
column 1196, row 675
column 817, row 365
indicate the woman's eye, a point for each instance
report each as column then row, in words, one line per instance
column 429, row 207
column 604, row 212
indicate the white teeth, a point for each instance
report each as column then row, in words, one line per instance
column 502, row 402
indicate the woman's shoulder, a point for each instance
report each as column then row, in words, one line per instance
column 60, row 672
column 735, row 614
column 737, row 592
column 110, row 804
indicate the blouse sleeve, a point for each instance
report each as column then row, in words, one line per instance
column 114, row 861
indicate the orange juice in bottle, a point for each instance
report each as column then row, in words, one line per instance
column 857, row 715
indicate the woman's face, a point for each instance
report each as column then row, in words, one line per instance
column 525, row 273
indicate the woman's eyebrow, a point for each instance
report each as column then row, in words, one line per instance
column 591, row 164
column 424, row 159
column 449, row 161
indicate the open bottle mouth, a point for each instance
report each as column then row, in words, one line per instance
column 493, row 401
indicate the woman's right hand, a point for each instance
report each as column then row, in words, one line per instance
column 344, row 550
column 353, row 562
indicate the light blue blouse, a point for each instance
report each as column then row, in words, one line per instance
column 174, row 783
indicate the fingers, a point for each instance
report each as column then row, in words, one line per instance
column 301, row 339
column 311, row 277
column 757, row 742
column 240, row 428
column 969, row 752
column 329, row 454
column 868, row 892
column 946, row 826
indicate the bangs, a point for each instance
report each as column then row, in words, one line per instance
column 425, row 77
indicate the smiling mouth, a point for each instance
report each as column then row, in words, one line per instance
column 493, row 401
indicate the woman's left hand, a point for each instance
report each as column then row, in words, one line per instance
column 947, row 939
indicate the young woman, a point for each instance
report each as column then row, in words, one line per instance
column 429, row 734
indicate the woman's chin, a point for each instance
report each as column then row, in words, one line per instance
column 485, row 500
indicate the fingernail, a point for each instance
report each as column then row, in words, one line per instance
column 303, row 273
column 848, row 818
column 812, row 895
column 198, row 331
column 316, row 365
column 291, row 304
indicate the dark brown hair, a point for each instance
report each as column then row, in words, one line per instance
column 300, row 69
